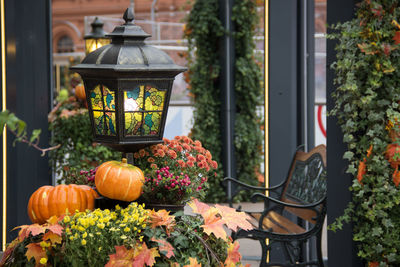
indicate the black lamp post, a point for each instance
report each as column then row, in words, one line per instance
column 128, row 87
column 96, row 38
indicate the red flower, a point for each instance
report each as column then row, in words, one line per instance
column 179, row 148
column 191, row 158
column 151, row 160
column 136, row 155
column 208, row 155
column 161, row 153
column 186, row 139
column 178, row 138
column 197, row 143
column 142, row 153
column 200, row 157
column 200, row 164
column 186, row 147
column 182, row 163
column 190, row 163
column 214, row 164
column 166, row 141
column 153, row 166
column 172, row 154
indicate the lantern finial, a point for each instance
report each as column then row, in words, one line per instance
column 128, row 16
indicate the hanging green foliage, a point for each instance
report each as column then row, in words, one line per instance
column 203, row 32
column 367, row 107
column 71, row 128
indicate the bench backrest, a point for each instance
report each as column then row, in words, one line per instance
column 307, row 181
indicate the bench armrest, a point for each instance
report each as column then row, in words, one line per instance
column 251, row 187
column 256, row 196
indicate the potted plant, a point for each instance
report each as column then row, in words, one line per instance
column 175, row 172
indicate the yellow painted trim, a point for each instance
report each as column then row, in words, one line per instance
column 4, row 107
column 266, row 94
column 266, row 101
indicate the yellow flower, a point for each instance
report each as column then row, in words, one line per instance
column 44, row 244
column 139, row 231
column 43, row 261
column 71, row 238
column 101, row 225
column 83, row 242
column 123, row 237
column 141, row 238
column 100, row 248
column 117, row 207
column 67, row 219
column 84, row 235
column 127, row 229
column 144, row 225
column 80, row 228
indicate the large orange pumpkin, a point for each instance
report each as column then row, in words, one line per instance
column 48, row 201
column 80, row 92
column 119, row 180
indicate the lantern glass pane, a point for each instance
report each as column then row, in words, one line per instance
column 98, row 122
column 110, row 128
column 143, row 108
column 133, row 123
column 92, row 44
column 152, row 122
column 109, row 99
column 154, row 99
column 96, row 98
column 133, row 99
column 102, row 101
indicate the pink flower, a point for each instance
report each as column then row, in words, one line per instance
column 151, row 160
column 142, row 153
column 197, row 143
column 160, row 153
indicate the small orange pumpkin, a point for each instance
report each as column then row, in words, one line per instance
column 80, row 92
column 119, row 180
column 48, row 201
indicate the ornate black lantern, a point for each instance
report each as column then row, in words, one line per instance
column 128, row 87
column 96, row 38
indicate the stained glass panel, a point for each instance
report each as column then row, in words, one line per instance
column 133, row 123
column 154, row 99
column 110, row 123
column 96, row 99
column 152, row 122
column 109, row 99
column 98, row 121
column 133, row 99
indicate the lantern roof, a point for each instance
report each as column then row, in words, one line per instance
column 97, row 30
column 127, row 53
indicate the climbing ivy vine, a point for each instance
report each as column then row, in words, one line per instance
column 203, row 32
column 367, row 107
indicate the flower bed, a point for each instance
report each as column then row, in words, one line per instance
column 133, row 236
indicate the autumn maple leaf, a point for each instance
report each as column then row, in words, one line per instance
column 193, row 263
column 233, row 256
column 162, row 218
column 234, row 219
column 393, row 154
column 164, row 246
column 396, row 177
column 361, row 171
column 198, row 207
column 213, row 224
column 35, row 251
column 52, row 237
column 396, row 37
column 9, row 250
column 121, row 258
column 144, row 255
column 33, row 229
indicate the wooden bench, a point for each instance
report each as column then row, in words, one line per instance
column 293, row 212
